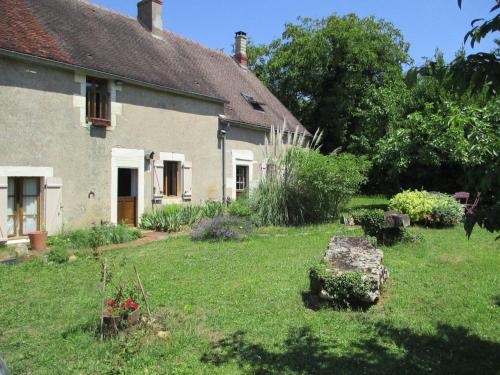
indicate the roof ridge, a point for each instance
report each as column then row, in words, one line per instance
column 106, row 9
column 173, row 33
column 192, row 41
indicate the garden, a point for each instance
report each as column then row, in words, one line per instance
column 242, row 307
column 351, row 256
column 234, row 292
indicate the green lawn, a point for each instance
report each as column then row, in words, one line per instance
column 242, row 308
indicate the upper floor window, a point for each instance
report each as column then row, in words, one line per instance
column 98, row 102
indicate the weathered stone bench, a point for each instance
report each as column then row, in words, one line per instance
column 395, row 219
column 357, row 254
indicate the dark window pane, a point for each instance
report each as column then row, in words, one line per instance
column 171, row 178
column 97, row 99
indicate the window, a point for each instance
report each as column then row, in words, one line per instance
column 98, row 102
column 23, row 206
column 171, row 178
column 254, row 103
column 241, row 180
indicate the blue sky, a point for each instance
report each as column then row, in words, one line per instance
column 426, row 24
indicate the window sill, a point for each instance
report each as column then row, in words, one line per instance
column 100, row 122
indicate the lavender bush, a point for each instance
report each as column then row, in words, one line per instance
column 222, row 228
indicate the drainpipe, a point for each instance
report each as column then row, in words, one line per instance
column 222, row 136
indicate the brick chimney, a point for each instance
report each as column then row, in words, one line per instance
column 240, row 49
column 149, row 14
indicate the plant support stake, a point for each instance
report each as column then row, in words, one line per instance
column 143, row 292
column 103, row 295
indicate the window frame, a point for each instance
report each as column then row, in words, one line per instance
column 18, row 209
column 256, row 105
column 97, row 101
column 246, row 176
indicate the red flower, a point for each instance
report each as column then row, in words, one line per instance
column 111, row 303
column 131, row 304
column 134, row 306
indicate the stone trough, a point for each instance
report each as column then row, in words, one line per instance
column 357, row 254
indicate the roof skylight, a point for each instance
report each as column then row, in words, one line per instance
column 258, row 106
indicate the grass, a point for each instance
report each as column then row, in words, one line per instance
column 6, row 252
column 242, row 307
column 361, row 201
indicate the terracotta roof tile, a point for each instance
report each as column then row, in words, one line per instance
column 21, row 31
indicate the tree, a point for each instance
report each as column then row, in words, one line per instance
column 482, row 27
column 477, row 69
column 341, row 74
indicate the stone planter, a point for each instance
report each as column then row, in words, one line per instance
column 38, row 240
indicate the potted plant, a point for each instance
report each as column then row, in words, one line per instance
column 38, row 240
column 122, row 310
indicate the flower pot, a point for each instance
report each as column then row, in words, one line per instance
column 38, row 240
column 133, row 317
column 116, row 322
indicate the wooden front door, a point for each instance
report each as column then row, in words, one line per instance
column 23, row 206
column 127, row 208
column 127, row 197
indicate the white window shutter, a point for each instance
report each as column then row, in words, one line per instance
column 187, row 180
column 158, row 178
column 54, row 205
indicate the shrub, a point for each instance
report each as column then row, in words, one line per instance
column 165, row 219
column 372, row 221
column 173, row 217
column 446, row 211
column 102, row 235
column 439, row 210
column 373, row 224
column 308, row 187
column 357, row 214
column 417, row 204
column 271, row 202
column 58, row 255
column 240, row 207
column 222, row 228
column 327, row 182
column 346, row 289
column 213, row 209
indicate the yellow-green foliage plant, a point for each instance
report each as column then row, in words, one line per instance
column 417, row 204
column 440, row 210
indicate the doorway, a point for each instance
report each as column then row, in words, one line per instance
column 127, row 196
column 23, row 206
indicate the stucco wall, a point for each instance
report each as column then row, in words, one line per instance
column 40, row 126
column 243, row 139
